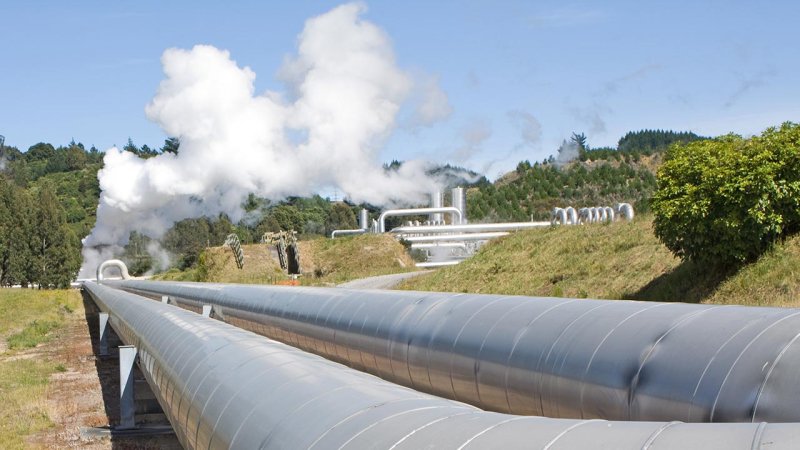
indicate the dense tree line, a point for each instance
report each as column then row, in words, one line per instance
column 650, row 141
column 36, row 244
column 597, row 176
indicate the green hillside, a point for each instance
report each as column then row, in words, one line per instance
column 615, row 261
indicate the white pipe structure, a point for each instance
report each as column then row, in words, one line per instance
column 473, row 227
column 584, row 216
column 625, row 210
column 427, row 245
column 609, row 213
column 363, row 222
column 459, row 200
column 455, row 214
column 119, row 265
column 602, row 215
column 456, row 237
column 436, row 202
column 558, row 215
column 335, row 233
column 427, row 265
column 572, row 215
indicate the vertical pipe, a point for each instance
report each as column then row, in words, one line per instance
column 363, row 219
column 460, row 202
column 436, row 202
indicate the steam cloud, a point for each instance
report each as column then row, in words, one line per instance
column 343, row 95
column 568, row 151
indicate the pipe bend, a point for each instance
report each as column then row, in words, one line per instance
column 123, row 269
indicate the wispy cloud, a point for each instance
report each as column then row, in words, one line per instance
column 528, row 126
column 612, row 86
column 472, row 138
column 748, row 83
column 569, row 16
column 592, row 116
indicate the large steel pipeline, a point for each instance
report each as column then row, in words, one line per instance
column 224, row 387
column 571, row 358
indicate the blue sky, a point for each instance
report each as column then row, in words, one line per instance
column 85, row 70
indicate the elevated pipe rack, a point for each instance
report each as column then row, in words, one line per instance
column 455, row 214
column 223, row 387
column 572, row 358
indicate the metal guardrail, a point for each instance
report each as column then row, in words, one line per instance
column 571, row 358
column 224, row 387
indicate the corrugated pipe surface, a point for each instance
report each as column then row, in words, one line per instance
column 615, row 360
column 223, row 387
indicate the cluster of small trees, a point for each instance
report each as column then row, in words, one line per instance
column 36, row 245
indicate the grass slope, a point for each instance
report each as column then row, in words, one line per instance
column 615, row 261
column 334, row 261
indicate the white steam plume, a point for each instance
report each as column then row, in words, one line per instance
column 344, row 94
column 567, row 152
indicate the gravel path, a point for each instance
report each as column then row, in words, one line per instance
column 382, row 281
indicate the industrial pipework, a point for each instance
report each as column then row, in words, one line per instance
column 223, row 387
column 455, row 214
column 473, row 227
column 555, row 357
column 112, row 263
column 363, row 223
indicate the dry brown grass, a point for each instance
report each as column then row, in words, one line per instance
column 322, row 261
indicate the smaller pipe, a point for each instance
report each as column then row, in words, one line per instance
column 437, row 263
column 559, row 215
column 436, row 202
column 572, row 215
column 609, row 213
column 456, row 237
column 625, row 210
column 455, row 214
column 507, row 226
column 123, row 269
column 584, row 216
column 334, row 233
column 439, row 245
column 601, row 214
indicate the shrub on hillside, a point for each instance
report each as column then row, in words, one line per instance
column 727, row 200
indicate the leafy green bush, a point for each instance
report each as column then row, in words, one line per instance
column 725, row 201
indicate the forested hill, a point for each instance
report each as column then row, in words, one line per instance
column 593, row 177
column 58, row 186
